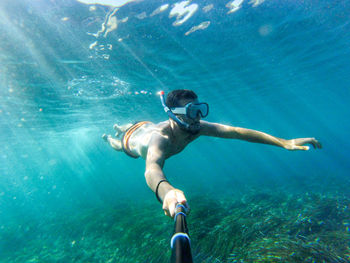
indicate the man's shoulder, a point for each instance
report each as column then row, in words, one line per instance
column 159, row 141
column 162, row 124
column 160, row 128
column 160, row 131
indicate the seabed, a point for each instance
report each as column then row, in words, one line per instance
column 258, row 227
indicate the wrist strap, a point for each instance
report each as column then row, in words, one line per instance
column 161, row 181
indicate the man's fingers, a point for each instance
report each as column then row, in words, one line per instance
column 172, row 209
column 315, row 143
column 167, row 210
column 171, row 199
column 318, row 144
column 187, row 207
column 312, row 141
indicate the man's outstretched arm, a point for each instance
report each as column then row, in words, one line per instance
column 157, row 181
column 225, row 131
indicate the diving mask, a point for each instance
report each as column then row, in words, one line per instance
column 193, row 109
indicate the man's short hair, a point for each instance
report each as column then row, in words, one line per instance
column 174, row 97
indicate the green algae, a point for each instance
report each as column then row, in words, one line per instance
column 258, row 227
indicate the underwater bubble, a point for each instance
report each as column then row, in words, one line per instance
column 104, row 87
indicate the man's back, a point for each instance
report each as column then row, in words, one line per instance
column 168, row 140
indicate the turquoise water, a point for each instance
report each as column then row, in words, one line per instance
column 70, row 70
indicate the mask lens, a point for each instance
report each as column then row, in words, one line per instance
column 198, row 108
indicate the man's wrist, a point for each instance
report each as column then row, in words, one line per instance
column 157, row 189
column 163, row 189
column 286, row 144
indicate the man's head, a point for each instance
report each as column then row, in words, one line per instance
column 184, row 109
column 180, row 98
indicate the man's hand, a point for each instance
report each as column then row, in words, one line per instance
column 172, row 198
column 299, row 144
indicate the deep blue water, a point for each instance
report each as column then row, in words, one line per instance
column 278, row 67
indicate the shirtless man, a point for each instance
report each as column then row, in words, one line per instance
column 157, row 142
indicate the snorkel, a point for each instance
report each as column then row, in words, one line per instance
column 171, row 115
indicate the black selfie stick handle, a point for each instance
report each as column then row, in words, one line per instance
column 180, row 241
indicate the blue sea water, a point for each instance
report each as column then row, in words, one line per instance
column 69, row 70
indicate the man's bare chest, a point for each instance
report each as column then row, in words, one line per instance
column 178, row 145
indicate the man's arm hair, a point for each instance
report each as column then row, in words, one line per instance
column 154, row 166
column 230, row 132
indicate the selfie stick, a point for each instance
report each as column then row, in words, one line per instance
column 180, row 242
